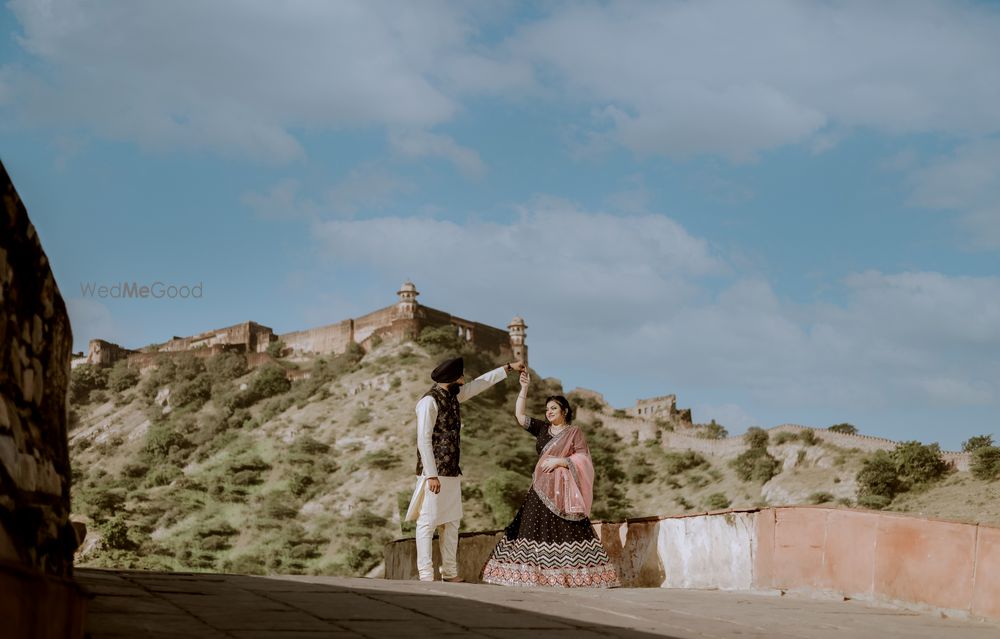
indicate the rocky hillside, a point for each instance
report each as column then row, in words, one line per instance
column 202, row 465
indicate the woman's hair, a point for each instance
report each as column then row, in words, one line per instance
column 564, row 403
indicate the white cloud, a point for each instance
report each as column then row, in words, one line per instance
column 734, row 78
column 553, row 256
column 639, row 298
column 966, row 181
column 237, row 77
column 367, row 188
column 280, row 202
column 417, row 144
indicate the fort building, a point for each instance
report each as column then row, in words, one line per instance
column 400, row 322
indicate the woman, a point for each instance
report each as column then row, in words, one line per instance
column 551, row 541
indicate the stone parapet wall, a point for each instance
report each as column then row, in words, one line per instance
column 875, row 556
column 37, row 597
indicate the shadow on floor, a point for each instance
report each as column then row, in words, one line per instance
column 152, row 605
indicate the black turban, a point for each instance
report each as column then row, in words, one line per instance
column 448, row 370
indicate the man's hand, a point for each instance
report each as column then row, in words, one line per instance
column 517, row 366
column 434, row 484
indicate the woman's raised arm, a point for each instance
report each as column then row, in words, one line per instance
column 522, row 398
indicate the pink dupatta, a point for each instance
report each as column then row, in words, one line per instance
column 568, row 492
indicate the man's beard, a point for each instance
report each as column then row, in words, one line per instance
column 454, row 388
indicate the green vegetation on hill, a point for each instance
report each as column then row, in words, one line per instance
column 200, row 464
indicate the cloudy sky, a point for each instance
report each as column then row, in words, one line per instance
column 779, row 211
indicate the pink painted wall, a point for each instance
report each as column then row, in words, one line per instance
column 880, row 556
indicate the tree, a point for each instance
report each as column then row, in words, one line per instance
column 712, row 430
column 918, row 464
column 442, row 339
column 502, row 493
column 121, row 377
column 877, row 477
column 973, row 444
column 847, row 429
column 756, row 437
column 86, row 378
column 986, row 463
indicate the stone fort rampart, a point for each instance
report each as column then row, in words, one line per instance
column 399, row 322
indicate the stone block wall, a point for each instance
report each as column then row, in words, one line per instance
column 36, row 538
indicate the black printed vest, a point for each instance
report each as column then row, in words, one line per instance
column 446, row 439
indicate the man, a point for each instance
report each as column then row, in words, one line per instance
column 437, row 498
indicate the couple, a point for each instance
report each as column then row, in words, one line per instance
column 551, row 541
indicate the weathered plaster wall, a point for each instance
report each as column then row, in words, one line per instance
column 881, row 556
column 868, row 555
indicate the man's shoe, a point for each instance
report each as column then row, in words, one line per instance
column 453, row 580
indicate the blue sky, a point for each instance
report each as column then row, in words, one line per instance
column 785, row 212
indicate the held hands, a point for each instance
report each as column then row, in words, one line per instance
column 517, row 366
column 551, row 463
column 434, row 484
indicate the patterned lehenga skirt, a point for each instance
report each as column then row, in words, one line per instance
column 539, row 548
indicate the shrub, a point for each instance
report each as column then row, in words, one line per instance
column 680, row 462
column 163, row 442
column 269, row 381
column 187, row 366
column 712, row 430
column 249, row 462
column 135, row 470
column 808, row 437
column 875, row 502
column 784, row 437
column 847, row 429
column 299, row 484
column 121, row 378
column 503, row 493
column 306, row 445
column 820, row 498
column 717, row 501
column 277, row 506
column 756, row 437
column 986, row 463
column 395, row 382
column 115, row 533
column 441, row 339
column 973, row 444
column 382, row 459
column 86, row 378
column 362, row 415
column 640, row 470
column 877, row 479
column 163, row 474
column 918, row 464
column 276, row 349
column 756, row 464
column 193, row 392
column 225, row 367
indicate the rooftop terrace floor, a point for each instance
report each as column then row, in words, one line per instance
column 151, row 605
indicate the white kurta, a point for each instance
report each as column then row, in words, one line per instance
column 446, row 505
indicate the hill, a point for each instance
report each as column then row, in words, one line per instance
column 201, row 465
